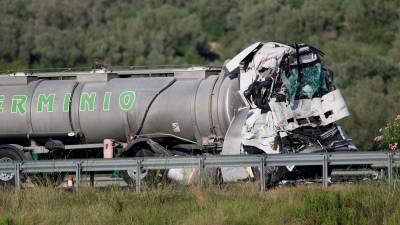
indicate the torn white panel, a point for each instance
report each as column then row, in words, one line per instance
column 246, row 79
column 232, row 146
column 234, row 63
column 266, row 56
column 252, row 117
column 334, row 101
column 270, row 56
column 259, row 131
column 309, row 112
column 233, row 138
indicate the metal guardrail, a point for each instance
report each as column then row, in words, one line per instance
column 77, row 166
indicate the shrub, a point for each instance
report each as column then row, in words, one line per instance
column 390, row 135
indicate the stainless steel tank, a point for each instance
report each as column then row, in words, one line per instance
column 188, row 108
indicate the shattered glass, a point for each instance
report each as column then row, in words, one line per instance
column 290, row 83
column 311, row 81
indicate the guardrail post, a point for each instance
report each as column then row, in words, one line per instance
column 78, row 174
column 91, row 174
column 261, row 168
column 138, row 175
column 389, row 168
column 17, row 176
column 325, row 171
column 201, row 171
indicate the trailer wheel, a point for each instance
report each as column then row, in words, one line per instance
column 274, row 174
column 9, row 153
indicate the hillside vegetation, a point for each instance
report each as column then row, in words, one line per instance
column 367, row 203
column 360, row 39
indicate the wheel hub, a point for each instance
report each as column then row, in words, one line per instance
column 6, row 176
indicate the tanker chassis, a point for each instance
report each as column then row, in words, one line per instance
column 271, row 98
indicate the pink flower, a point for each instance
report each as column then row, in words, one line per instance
column 378, row 138
column 393, row 146
column 397, row 119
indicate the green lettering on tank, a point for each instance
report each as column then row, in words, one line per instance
column 106, row 101
column 87, row 101
column 66, row 103
column 126, row 100
column 1, row 103
column 45, row 101
column 18, row 104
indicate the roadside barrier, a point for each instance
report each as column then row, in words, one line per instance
column 380, row 159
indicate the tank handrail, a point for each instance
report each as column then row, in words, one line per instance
column 68, row 71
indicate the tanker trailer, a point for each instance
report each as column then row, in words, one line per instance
column 161, row 109
column 249, row 106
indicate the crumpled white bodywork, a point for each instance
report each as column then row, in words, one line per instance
column 330, row 108
column 261, row 129
column 269, row 56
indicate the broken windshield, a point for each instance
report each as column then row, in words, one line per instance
column 310, row 81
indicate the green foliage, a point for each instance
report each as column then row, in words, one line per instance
column 360, row 39
column 372, row 102
column 364, row 203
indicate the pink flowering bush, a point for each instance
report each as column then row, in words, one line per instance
column 389, row 137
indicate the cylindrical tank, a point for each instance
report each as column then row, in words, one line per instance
column 188, row 108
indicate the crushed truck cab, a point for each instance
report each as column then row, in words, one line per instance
column 291, row 102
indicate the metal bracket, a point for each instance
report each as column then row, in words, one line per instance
column 390, row 168
column 262, row 167
column 138, row 175
column 201, row 172
column 78, row 169
column 17, row 176
column 325, row 170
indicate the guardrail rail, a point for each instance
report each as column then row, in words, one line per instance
column 386, row 160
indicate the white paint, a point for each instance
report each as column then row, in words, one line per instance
column 176, row 128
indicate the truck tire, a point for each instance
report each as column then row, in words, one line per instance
column 9, row 153
column 273, row 175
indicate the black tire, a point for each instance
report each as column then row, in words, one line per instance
column 274, row 174
column 10, row 153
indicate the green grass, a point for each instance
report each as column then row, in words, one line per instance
column 364, row 203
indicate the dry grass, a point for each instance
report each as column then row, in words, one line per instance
column 364, row 203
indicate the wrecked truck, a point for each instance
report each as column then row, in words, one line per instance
column 292, row 106
column 271, row 98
